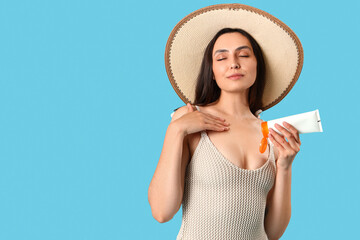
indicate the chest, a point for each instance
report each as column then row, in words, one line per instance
column 239, row 145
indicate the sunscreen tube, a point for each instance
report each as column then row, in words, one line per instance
column 304, row 122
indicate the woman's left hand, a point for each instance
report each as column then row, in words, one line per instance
column 287, row 150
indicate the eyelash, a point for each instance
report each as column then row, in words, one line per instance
column 225, row 58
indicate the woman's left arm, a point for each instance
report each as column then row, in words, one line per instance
column 278, row 206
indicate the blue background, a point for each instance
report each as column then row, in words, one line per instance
column 85, row 103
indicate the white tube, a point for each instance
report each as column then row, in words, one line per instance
column 304, row 122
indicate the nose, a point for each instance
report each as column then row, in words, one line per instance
column 234, row 63
column 235, row 66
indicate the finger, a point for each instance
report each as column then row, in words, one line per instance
column 216, row 121
column 216, row 127
column 214, row 117
column 190, row 108
column 289, row 135
column 293, row 130
column 276, row 143
column 279, row 139
column 292, row 145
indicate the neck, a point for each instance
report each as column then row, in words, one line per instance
column 235, row 105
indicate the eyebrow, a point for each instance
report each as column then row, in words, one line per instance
column 225, row 50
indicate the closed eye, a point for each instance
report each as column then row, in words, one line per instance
column 220, row 59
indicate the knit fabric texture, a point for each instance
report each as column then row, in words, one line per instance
column 222, row 200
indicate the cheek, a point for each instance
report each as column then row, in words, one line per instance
column 217, row 68
column 253, row 67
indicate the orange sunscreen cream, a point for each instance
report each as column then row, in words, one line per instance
column 304, row 122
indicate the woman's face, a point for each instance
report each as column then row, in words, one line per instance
column 234, row 62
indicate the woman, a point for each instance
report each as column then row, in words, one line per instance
column 210, row 161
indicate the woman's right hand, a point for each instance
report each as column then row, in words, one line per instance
column 195, row 121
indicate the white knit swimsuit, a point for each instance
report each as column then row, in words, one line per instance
column 222, row 200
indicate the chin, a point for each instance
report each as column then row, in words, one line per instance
column 237, row 88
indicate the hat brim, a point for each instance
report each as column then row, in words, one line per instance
column 282, row 49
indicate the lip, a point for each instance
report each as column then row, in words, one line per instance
column 235, row 76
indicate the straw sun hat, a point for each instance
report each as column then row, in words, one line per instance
column 282, row 50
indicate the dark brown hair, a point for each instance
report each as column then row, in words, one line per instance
column 207, row 91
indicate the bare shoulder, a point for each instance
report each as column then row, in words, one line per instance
column 179, row 112
column 192, row 139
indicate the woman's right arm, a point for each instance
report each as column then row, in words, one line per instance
column 167, row 185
